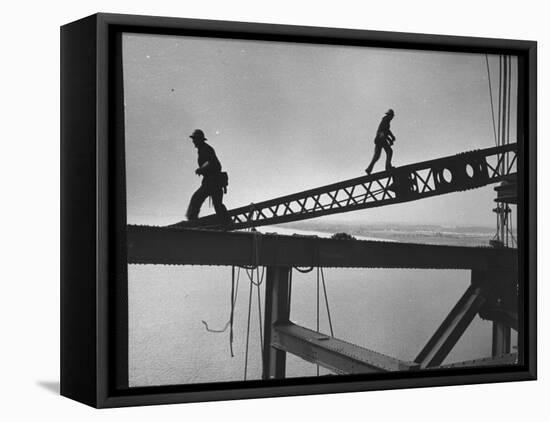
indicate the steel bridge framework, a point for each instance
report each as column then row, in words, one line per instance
column 492, row 293
column 455, row 173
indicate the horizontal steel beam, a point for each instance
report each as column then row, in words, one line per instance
column 336, row 355
column 505, row 359
column 172, row 246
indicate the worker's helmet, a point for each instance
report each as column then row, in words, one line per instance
column 390, row 112
column 198, row 134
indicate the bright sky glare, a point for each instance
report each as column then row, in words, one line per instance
column 284, row 117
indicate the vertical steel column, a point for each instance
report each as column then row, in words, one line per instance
column 277, row 310
column 500, row 291
column 501, row 339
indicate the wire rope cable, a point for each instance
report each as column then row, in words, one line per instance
column 491, row 98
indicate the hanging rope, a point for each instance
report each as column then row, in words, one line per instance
column 233, row 301
column 250, row 273
column 248, row 331
column 256, row 238
column 258, row 283
column 260, row 314
column 305, row 270
column 504, row 232
column 326, row 303
column 499, row 133
column 317, row 310
column 506, row 161
column 499, row 137
column 504, row 134
column 514, row 241
column 508, row 108
column 290, row 285
column 215, row 330
column 320, row 280
column 254, row 281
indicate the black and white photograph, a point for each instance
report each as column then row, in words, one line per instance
column 301, row 210
column 275, row 211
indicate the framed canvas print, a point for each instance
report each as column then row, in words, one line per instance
column 253, row 210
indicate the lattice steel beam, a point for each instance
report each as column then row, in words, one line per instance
column 454, row 173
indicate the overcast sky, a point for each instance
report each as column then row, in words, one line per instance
column 284, row 117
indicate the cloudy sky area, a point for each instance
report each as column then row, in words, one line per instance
column 284, row 117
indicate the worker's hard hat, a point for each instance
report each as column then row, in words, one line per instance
column 390, row 111
column 198, row 134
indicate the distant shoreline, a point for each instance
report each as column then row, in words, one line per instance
column 413, row 233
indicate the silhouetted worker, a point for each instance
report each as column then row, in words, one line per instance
column 213, row 182
column 383, row 141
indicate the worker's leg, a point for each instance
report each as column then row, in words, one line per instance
column 196, row 202
column 389, row 153
column 375, row 157
column 221, row 211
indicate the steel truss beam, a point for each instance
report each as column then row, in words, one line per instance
column 455, row 173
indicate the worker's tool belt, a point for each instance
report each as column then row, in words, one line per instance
column 224, row 181
column 381, row 139
column 217, row 181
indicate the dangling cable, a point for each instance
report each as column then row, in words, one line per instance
column 215, row 330
column 248, row 328
column 256, row 236
column 258, row 283
column 290, row 286
column 233, row 299
column 499, row 98
column 504, row 134
column 509, row 103
column 234, row 292
column 318, row 310
column 260, row 307
column 491, row 98
column 499, row 136
column 326, row 303
column 229, row 323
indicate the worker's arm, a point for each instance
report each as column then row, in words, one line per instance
column 391, row 136
column 202, row 169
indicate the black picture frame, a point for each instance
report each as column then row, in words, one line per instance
column 94, row 317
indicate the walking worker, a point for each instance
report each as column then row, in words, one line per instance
column 383, row 141
column 214, row 181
